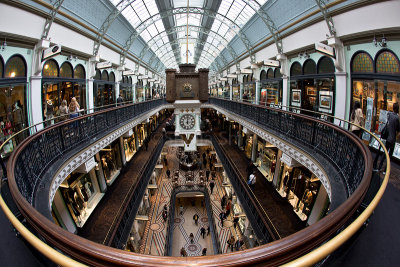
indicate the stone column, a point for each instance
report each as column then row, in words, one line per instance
column 258, row 92
column 241, row 91
column 285, row 92
column 254, row 149
column 341, row 93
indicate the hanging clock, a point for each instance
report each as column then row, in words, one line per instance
column 187, row 121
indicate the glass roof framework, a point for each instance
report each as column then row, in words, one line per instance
column 231, row 16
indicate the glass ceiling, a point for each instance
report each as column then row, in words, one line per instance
column 232, row 15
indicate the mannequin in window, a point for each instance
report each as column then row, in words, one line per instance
column 308, row 198
column 88, row 188
column 78, row 199
column 74, row 206
column 285, row 180
column 105, row 168
column 49, row 112
column 18, row 116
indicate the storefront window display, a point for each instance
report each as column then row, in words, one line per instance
column 220, row 90
column 147, row 92
column 214, row 91
column 139, row 91
column 249, row 89
column 129, row 146
column 104, row 88
column 60, row 84
column 81, row 195
column 271, row 88
column 376, row 89
column 248, row 141
column 312, row 86
column 266, row 159
column 226, row 91
column 125, row 89
column 13, row 114
column 111, row 162
column 300, row 187
column 235, row 90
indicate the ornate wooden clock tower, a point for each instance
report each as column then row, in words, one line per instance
column 187, row 89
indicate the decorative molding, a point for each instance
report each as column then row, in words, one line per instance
column 80, row 158
column 300, row 156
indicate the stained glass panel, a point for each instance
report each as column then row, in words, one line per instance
column 362, row 62
column 112, row 77
column 104, row 75
column 325, row 65
column 15, row 67
column 295, row 69
column 66, row 70
column 387, row 63
column 310, row 67
column 50, row 69
column 79, row 72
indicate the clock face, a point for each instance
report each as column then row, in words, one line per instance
column 187, row 121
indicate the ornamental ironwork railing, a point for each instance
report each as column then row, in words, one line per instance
column 54, row 141
column 314, row 135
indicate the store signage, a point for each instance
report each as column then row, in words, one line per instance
column 128, row 72
column 246, row 71
column 103, row 65
column 87, row 166
column 325, row 49
column 51, row 52
column 272, row 63
column 232, row 76
column 223, row 79
column 286, row 159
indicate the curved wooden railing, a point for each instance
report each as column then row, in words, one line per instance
column 274, row 253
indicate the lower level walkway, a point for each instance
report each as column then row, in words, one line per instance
column 278, row 209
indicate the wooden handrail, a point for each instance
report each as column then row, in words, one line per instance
column 273, row 254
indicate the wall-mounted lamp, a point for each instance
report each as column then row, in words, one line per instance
column 382, row 43
column 4, row 45
column 71, row 57
column 304, row 55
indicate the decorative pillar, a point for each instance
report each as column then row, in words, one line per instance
column 136, row 138
column 258, row 91
column 240, row 137
column 285, row 92
column 230, row 91
column 254, row 148
column 241, row 91
column 340, row 93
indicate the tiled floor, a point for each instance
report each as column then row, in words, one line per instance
column 153, row 242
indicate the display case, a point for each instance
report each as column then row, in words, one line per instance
column 111, row 161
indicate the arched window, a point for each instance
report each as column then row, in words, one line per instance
column 130, row 80
column 295, row 69
column 309, row 67
column 112, row 77
column 278, row 73
column 387, row 62
column 98, row 75
column 325, row 65
column 263, row 75
column 1, row 67
column 66, row 70
column 50, row 69
column 123, row 79
column 104, row 75
column 270, row 73
column 15, row 67
column 79, row 72
column 245, row 78
column 362, row 62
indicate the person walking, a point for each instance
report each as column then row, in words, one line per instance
column 200, row 165
column 120, row 100
column 196, row 218
column 223, row 202
column 168, row 173
column 73, row 108
column 235, row 221
column 181, row 210
column 204, row 252
column 228, row 209
column 252, row 181
column 183, row 252
column 203, row 231
column 207, row 174
column 231, row 242
column 222, row 217
column 212, row 184
column 357, row 118
column 165, row 161
column 191, row 237
column 208, row 230
column 393, row 127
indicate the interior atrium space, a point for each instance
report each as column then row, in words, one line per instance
column 199, row 132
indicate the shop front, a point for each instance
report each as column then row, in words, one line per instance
column 249, row 89
column 312, row 86
column 104, row 89
column 126, row 89
column 62, row 83
column 298, row 185
column 129, row 144
column 147, row 91
column 220, row 90
column 111, row 162
column 266, row 159
column 139, row 91
column 13, row 108
column 271, row 87
column 376, row 86
column 78, row 196
column 235, row 90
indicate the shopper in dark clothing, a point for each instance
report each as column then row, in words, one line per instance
column 212, row 186
column 203, row 231
column 208, row 230
column 207, row 174
column 222, row 217
column 168, row 173
column 204, row 252
column 393, row 125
